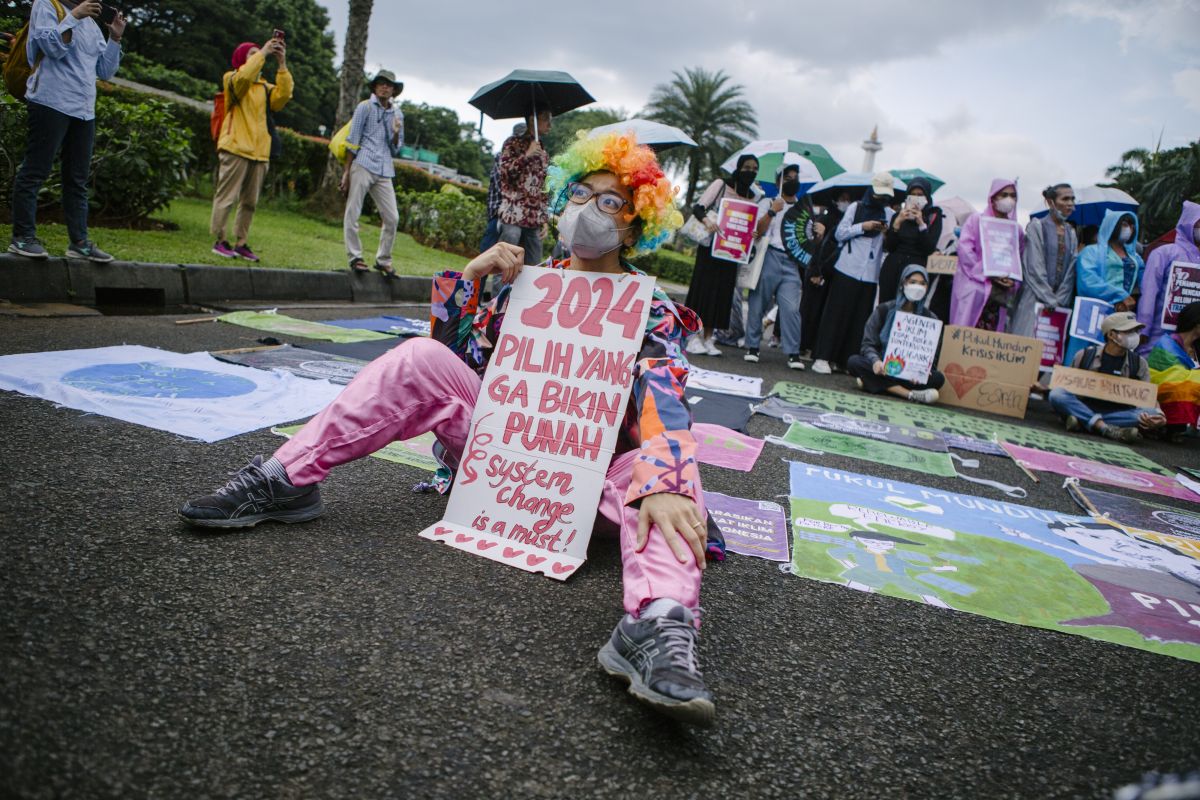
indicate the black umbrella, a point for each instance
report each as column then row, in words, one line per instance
column 524, row 92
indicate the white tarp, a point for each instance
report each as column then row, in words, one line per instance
column 193, row 394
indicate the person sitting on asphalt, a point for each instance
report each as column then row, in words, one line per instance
column 1175, row 368
column 522, row 173
column 1118, row 357
column 617, row 201
column 779, row 281
column 376, row 136
column 244, row 145
column 67, row 55
column 867, row 367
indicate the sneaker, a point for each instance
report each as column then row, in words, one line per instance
column 1117, row 434
column 224, row 249
column 30, row 247
column 710, row 347
column 858, row 382
column 255, row 494
column 1072, row 424
column 751, row 355
column 926, row 396
column 89, row 251
column 821, row 367
column 244, row 251
column 695, row 345
column 794, row 361
column 657, row 657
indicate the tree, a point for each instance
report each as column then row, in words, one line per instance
column 1160, row 180
column 457, row 143
column 566, row 126
column 704, row 106
column 354, row 58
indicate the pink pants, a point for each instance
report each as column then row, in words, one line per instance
column 422, row 386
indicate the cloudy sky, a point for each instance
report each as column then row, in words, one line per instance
column 1042, row 91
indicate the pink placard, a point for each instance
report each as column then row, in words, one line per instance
column 1000, row 240
column 722, row 447
column 1183, row 287
column 1052, row 331
column 735, row 230
column 1075, row 467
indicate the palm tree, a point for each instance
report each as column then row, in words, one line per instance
column 1161, row 180
column 354, row 58
column 710, row 110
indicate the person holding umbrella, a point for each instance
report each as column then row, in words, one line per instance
column 522, row 174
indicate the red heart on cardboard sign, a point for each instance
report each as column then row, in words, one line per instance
column 482, row 545
column 512, row 552
column 559, row 569
column 533, row 561
column 462, row 537
column 440, row 531
column 962, row 380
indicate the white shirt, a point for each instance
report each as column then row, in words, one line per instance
column 772, row 236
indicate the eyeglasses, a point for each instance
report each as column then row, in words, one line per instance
column 609, row 202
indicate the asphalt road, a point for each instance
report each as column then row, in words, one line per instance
column 348, row 658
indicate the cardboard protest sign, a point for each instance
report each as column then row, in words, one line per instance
column 1000, row 242
column 912, row 346
column 1086, row 318
column 735, row 230
column 546, row 422
column 750, row 527
column 1052, row 332
column 988, row 371
column 1183, row 287
column 939, row 264
column 1085, row 383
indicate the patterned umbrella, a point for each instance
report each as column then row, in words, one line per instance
column 814, row 161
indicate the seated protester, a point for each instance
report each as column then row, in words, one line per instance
column 867, row 367
column 1186, row 247
column 1175, row 367
column 617, row 201
column 1117, row 357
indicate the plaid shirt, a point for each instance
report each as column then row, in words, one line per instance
column 371, row 136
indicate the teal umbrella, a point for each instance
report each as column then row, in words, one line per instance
column 814, row 160
column 907, row 175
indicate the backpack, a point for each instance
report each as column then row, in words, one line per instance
column 216, row 120
column 16, row 66
column 1132, row 359
column 338, row 144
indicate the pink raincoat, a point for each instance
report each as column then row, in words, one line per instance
column 971, row 287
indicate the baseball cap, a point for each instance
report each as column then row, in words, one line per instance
column 883, row 183
column 1121, row 321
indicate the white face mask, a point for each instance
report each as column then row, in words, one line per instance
column 1005, row 205
column 587, row 231
column 1129, row 340
column 915, row 292
column 842, row 205
column 1126, row 233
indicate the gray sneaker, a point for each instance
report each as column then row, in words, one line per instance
column 30, row 247
column 657, row 658
column 254, row 495
column 88, row 250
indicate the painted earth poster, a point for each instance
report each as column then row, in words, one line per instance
column 192, row 395
column 416, row 452
column 879, row 452
column 1161, row 524
column 932, row 418
column 545, row 426
column 751, row 527
column 281, row 323
column 298, row 361
column 1001, row 560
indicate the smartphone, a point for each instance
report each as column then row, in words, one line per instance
column 107, row 15
column 910, row 202
column 278, row 35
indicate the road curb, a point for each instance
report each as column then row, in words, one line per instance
column 61, row 280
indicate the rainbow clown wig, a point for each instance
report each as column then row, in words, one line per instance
column 636, row 166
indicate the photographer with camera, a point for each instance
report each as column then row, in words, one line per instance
column 68, row 52
column 244, row 146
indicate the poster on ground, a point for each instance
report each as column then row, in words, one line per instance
column 1009, row 562
column 988, row 371
column 1086, row 317
column 192, row 395
column 944, row 420
column 545, row 426
column 1051, row 330
column 855, row 426
column 735, row 230
column 1159, row 523
column 1108, row 474
column 1183, row 287
column 912, row 347
column 1000, row 246
column 751, row 527
column 416, row 452
column 719, row 446
column 298, row 361
column 874, row 450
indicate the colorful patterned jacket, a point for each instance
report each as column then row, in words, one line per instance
column 658, row 420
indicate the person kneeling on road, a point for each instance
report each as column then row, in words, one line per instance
column 1117, row 357
column 867, row 367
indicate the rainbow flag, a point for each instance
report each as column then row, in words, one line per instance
column 1178, row 378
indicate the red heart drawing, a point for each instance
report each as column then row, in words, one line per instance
column 482, row 545
column 462, row 537
column 512, row 552
column 962, row 380
column 559, row 569
column 533, row 561
column 440, row 531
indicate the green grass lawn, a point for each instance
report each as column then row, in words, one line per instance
column 281, row 237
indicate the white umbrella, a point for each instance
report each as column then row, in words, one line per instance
column 852, row 181
column 957, row 206
column 655, row 135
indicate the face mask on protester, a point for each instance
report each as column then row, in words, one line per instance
column 1058, row 215
column 743, row 179
column 1126, row 233
column 1129, row 340
column 1005, row 205
column 842, row 205
column 790, row 187
column 587, row 231
column 915, row 292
